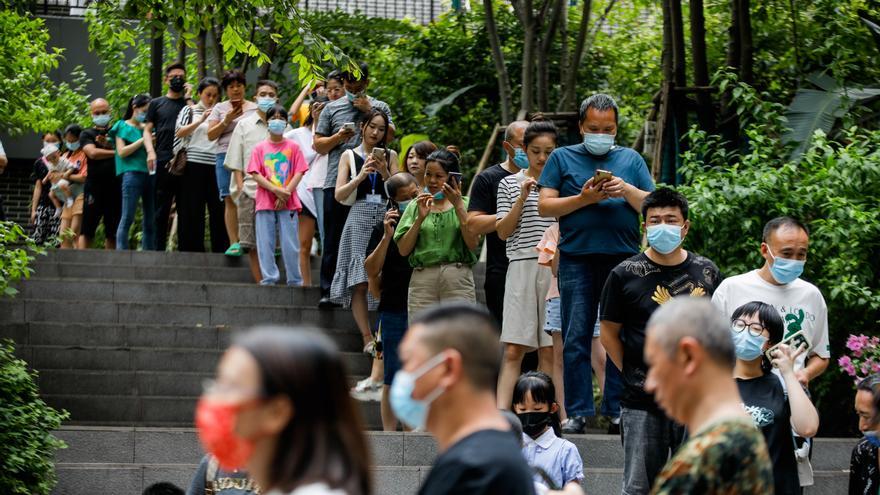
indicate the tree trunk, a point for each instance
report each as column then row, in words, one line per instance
column 218, row 50
column 156, row 61
column 201, row 54
column 733, row 39
column 747, row 49
column 679, row 63
column 545, row 47
column 705, row 115
column 247, row 57
column 569, row 84
column 564, row 54
column 666, row 54
column 500, row 67
column 527, row 18
column 181, row 48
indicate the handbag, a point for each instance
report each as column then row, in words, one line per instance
column 353, row 196
column 177, row 165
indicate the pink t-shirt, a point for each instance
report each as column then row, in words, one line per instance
column 278, row 163
column 546, row 251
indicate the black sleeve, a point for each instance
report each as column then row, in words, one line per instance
column 87, row 137
column 40, row 170
column 375, row 238
column 152, row 111
column 613, row 306
column 197, row 487
column 481, row 198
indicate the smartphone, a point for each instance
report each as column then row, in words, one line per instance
column 601, row 176
column 378, row 153
column 795, row 341
column 392, row 205
column 348, row 126
column 454, row 177
column 236, row 104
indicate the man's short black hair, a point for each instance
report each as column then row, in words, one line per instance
column 469, row 329
column 175, row 65
column 665, row 197
column 348, row 75
column 163, row 488
column 779, row 222
column 599, row 101
column 267, row 82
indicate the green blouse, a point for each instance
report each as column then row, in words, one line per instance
column 135, row 162
column 440, row 239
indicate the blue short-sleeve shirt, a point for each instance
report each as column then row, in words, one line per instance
column 610, row 226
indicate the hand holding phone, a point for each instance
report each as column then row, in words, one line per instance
column 601, row 176
column 797, row 342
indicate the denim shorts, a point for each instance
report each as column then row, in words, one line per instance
column 224, row 175
column 553, row 322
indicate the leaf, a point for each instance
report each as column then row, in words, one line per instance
column 432, row 109
column 809, row 111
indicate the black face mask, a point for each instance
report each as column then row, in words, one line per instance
column 177, row 84
column 533, row 423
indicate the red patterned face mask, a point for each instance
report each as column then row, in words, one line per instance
column 215, row 422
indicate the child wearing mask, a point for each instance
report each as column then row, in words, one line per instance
column 277, row 166
column 534, row 402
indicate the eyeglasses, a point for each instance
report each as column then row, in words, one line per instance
column 755, row 329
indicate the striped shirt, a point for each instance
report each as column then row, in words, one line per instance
column 531, row 226
column 199, row 149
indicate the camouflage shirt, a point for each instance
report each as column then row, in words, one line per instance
column 729, row 458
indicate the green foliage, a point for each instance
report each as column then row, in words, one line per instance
column 832, row 188
column 29, row 99
column 16, row 253
column 27, row 447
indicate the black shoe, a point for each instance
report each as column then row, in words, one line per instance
column 574, row 425
column 327, row 303
column 614, row 428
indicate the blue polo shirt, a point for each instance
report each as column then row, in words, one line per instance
column 610, row 226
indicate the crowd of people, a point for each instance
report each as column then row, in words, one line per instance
column 687, row 384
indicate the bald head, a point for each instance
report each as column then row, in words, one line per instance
column 515, row 130
column 697, row 318
column 99, row 106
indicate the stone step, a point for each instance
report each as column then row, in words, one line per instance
column 22, row 310
column 153, row 410
column 180, row 445
column 168, row 273
column 145, row 335
column 157, row 258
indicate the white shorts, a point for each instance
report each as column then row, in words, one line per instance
column 525, row 304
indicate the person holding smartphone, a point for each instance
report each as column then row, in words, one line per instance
column 599, row 228
column 361, row 177
column 776, row 409
column 221, row 122
column 433, row 232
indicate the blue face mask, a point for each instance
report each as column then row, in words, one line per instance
column 598, row 144
column 664, row 238
column 784, row 270
column 748, row 346
column 277, row 126
column 265, row 103
column 403, row 204
column 101, row 120
column 520, row 159
column 413, row 412
column 438, row 196
column 873, row 439
column 141, row 117
column 353, row 96
column 72, row 146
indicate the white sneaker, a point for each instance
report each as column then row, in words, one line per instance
column 367, row 390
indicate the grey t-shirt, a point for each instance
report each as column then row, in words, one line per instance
column 334, row 115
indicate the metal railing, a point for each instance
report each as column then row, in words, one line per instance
column 421, row 11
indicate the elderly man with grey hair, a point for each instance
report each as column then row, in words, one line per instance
column 481, row 216
column 596, row 190
column 690, row 357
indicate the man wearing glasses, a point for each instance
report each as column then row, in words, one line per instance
column 633, row 291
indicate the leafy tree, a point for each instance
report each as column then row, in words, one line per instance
column 29, row 99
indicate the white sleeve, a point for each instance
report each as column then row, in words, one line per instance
column 821, row 346
column 719, row 298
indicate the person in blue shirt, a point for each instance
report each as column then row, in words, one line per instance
column 599, row 228
column 534, row 401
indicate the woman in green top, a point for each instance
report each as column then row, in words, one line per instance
column 138, row 181
column 433, row 233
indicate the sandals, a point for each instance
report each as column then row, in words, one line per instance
column 234, row 250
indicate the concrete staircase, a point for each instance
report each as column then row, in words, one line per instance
column 122, row 340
